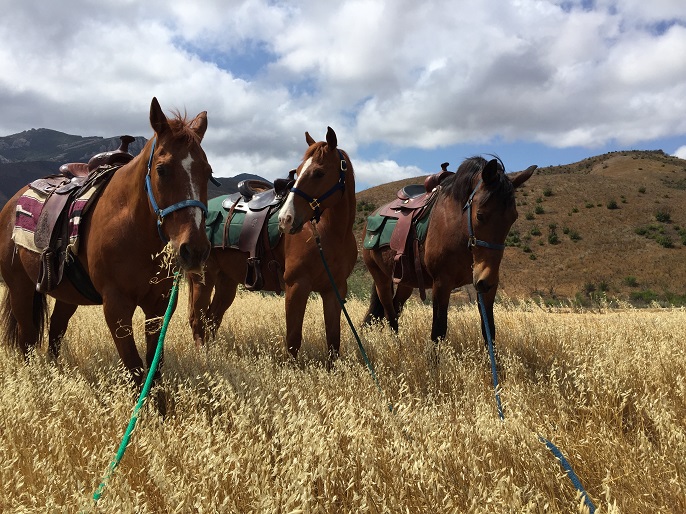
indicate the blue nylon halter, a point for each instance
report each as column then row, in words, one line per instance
column 315, row 203
column 473, row 241
column 161, row 213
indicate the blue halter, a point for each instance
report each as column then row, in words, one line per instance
column 161, row 213
column 473, row 241
column 315, row 203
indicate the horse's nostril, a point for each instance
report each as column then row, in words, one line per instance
column 185, row 252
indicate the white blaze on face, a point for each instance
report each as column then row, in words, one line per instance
column 287, row 212
column 187, row 164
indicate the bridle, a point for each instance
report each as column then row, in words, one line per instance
column 473, row 241
column 161, row 213
column 315, row 203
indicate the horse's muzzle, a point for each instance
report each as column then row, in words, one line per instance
column 191, row 258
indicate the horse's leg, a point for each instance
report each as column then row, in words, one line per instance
column 296, row 303
column 402, row 294
column 384, row 293
column 441, row 299
column 332, row 321
column 59, row 320
column 224, row 295
column 199, row 295
column 119, row 315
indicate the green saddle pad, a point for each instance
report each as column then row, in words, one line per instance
column 216, row 220
column 380, row 228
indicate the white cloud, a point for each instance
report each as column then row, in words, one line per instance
column 368, row 173
column 388, row 73
column 680, row 152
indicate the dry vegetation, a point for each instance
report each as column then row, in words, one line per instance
column 612, row 226
column 249, row 431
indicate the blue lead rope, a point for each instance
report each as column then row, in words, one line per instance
column 554, row 449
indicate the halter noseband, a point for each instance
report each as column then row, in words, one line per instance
column 161, row 213
column 473, row 241
column 315, row 203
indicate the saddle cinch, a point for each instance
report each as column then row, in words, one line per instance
column 52, row 229
column 257, row 200
column 412, row 204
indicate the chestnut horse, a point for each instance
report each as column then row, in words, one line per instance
column 323, row 192
column 470, row 219
column 158, row 196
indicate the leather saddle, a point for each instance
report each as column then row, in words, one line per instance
column 52, row 230
column 411, row 204
column 257, row 199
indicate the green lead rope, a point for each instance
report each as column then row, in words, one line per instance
column 144, row 392
column 347, row 316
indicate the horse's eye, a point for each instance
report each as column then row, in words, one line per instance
column 479, row 216
column 161, row 170
column 319, row 174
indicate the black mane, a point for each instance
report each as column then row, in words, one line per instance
column 460, row 185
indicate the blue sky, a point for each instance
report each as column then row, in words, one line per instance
column 406, row 85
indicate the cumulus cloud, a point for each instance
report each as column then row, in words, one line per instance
column 395, row 74
column 680, row 152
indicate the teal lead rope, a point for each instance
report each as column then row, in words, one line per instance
column 144, row 392
column 554, row 449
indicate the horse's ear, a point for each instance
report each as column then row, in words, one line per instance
column 490, row 171
column 331, row 138
column 199, row 124
column 309, row 139
column 158, row 121
column 520, row 177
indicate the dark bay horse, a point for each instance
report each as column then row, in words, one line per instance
column 158, row 196
column 325, row 192
column 473, row 211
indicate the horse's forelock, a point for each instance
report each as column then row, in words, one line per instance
column 315, row 151
column 181, row 127
column 461, row 184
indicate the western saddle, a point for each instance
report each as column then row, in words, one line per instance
column 52, row 229
column 257, row 199
column 413, row 202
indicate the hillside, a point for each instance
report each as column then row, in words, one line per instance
column 37, row 153
column 610, row 224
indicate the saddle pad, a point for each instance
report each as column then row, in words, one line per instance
column 29, row 207
column 216, row 221
column 380, row 228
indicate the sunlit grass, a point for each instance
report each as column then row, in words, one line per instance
column 250, row 431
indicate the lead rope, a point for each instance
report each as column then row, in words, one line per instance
column 345, row 311
column 144, row 392
column 554, row 449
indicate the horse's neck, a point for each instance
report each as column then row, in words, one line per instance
column 127, row 186
column 340, row 217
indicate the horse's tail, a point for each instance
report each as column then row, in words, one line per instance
column 375, row 311
column 9, row 320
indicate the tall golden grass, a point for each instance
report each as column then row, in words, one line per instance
column 250, row 431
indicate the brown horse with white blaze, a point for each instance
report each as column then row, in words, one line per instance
column 157, row 197
column 324, row 193
column 469, row 221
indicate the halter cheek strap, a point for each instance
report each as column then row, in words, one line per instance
column 161, row 213
column 315, row 203
column 473, row 241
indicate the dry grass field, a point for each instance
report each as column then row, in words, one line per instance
column 249, row 431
